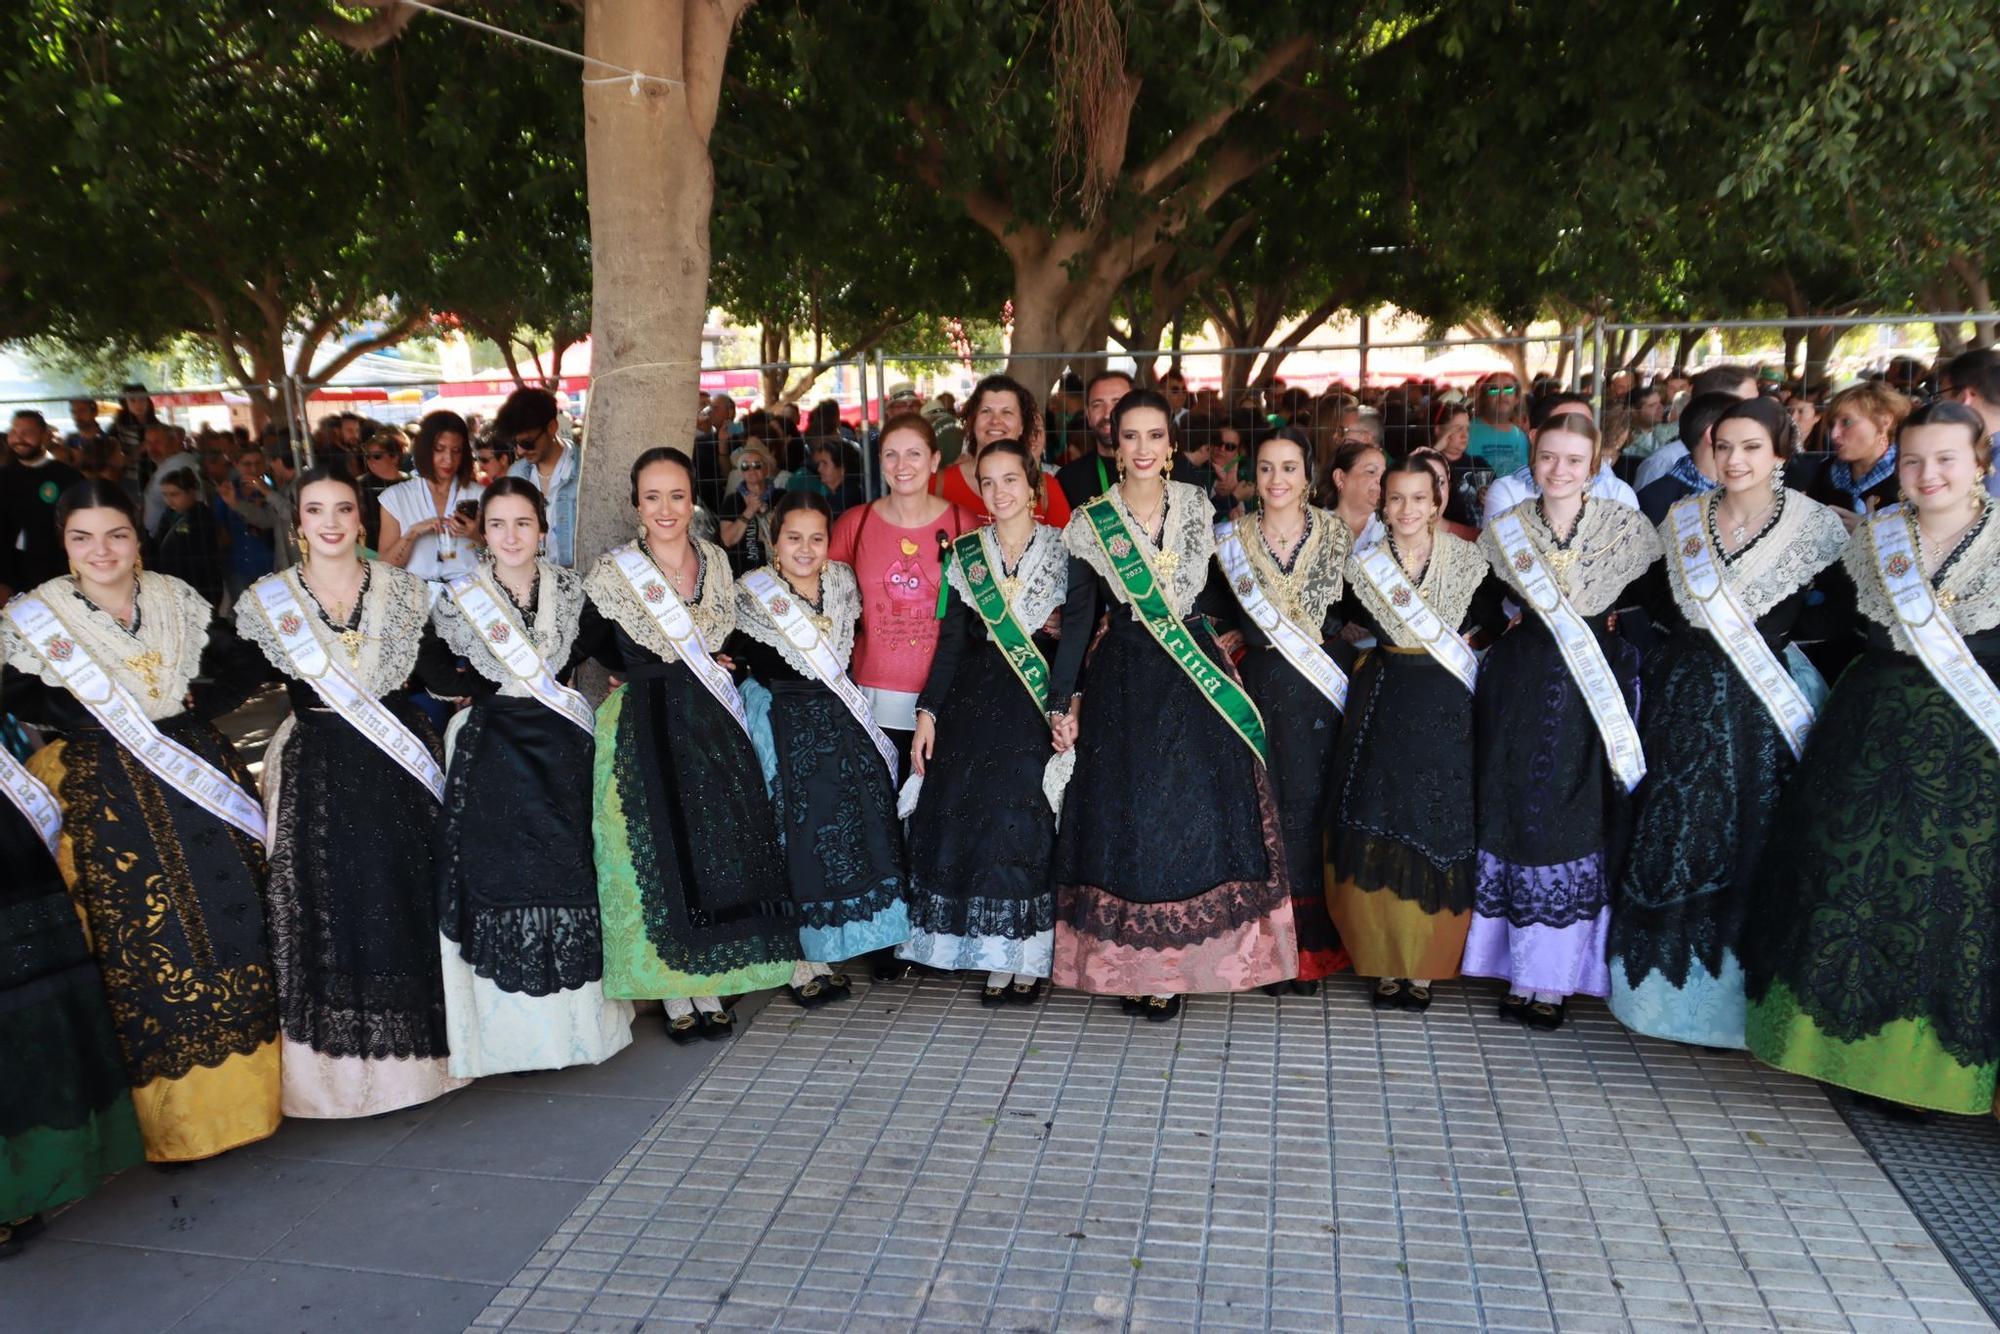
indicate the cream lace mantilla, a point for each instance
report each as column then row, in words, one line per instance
column 714, row 615
column 559, row 602
column 840, row 603
column 1043, row 574
column 1315, row 583
column 154, row 663
column 1457, row 568
column 1970, row 593
column 1613, row 546
column 394, row 611
column 1804, row 539
column 1190, row 535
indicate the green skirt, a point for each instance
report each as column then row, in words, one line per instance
column 1871, row 956
column 690, row 877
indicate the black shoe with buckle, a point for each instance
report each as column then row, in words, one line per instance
column 1159, row 1009
column 1388, row 994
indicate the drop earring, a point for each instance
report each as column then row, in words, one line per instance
column 305, row 551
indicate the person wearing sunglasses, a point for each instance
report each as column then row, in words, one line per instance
column 382, row 458
column 1496, row 433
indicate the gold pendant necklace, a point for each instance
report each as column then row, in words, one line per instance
column 147, row 666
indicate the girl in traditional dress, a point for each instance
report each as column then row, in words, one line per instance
column 66, row 1121
column 351, row 784
column 1400, row 819
column 1169, row 867
column 1724, row 715
column 522, row 945
column 1278, row 587
column 1553, row 721
column 984, row 828
column 832, row 771
column 1870, row 953
column 162, row 835
column 690, row 877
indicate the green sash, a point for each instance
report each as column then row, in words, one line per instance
column 990, row 601
column 1135, row 571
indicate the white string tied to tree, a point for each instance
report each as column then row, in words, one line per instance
column 632, row 78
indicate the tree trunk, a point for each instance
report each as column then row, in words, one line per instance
column 651, row 185
column 1053, row 313
column 1684, row 347
column 774, row 345
column 1820, row 342
column 1793, row 337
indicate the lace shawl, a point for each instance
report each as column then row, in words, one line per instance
column 714, row 613
column 1614, row 545
column 1316, row 581
column 394, row 610
column 1189, row 533
column 840, row 602
column 1970, row 589
column 558, row 606
column 1043, row 571
column 1456, row 570
column 1804, row 539
column 154, row 663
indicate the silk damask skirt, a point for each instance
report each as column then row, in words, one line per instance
column 172, row 900
column 1872, row 955
column 1170, row 863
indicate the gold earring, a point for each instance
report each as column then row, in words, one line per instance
column 1167, row 473
column 305, row 550
column 138, row 562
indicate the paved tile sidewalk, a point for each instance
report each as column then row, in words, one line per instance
column 910, row 1160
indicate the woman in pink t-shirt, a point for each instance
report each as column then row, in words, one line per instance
column 894, row 545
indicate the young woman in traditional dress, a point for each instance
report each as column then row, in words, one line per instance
column 832, row 771
column 1870, row 953
column 1169, row 867
column 1278, row 587
column 66, row 1121
column 1728, row 707
column 984, row 827
column 521, row 940
column 162, row 839
column 351, row 784
column 1400, row 820
column 1558, row 750
column 690, row 877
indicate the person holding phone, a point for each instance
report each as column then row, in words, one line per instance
column 423, row 529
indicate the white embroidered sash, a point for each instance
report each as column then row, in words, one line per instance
column 1384, row 573
column 789, row 615
column 338, row 688
column 510, row 642
column 676, row 622
column 33, row 799
column 1719, row 613
column 1935, row 640
column 114, row 708
column 1301, row 650
column 1580, row 652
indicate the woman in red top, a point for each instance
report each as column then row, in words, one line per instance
column 894, row 545
column 1001, row 408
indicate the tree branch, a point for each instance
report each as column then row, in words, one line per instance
column 353, row 352
column 1337, row 299
column 370, row 33
column 1181, row 149
column 225, row 337
column 704, row 54
column 865, row 343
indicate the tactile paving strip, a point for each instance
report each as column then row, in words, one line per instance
column 1948, row 1169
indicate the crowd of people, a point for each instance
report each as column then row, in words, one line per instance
column 1182, row 700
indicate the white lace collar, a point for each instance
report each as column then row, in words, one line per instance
column 1613, row 544
column 394, row 610
column 1804, row 539
column 154, row 663
column 1970, row 591
column 714, row 614
column 1041, row 575
column 559, row 602
column 1189, row 534
column 1456, row 570
column 840, row 604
